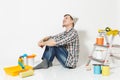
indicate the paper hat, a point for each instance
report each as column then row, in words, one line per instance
column 75, row 19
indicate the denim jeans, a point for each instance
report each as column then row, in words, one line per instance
column 53, row 51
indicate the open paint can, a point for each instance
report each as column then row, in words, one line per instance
column 30, row 59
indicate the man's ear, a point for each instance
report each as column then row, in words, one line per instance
column 72, row 22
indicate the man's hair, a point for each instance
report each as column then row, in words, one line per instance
column 70, row 17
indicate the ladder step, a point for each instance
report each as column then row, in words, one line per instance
column 98, row 60
column 117, row 57
column 105, row 46
column 118, row 46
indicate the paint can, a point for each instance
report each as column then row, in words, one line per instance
column 105, row 70
column 97, row 68
column 100, row 40
column 25, row 61
column 30, row 59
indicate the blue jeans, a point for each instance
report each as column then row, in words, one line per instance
column 53, row 51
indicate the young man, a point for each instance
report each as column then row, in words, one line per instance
column 64, row 46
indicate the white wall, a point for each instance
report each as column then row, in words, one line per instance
column 24, row 22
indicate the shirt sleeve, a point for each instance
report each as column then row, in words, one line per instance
column 66, row 39
column 57, row 37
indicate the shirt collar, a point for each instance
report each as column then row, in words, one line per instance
column 69, row 30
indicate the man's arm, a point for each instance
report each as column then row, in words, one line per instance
column 50, row 42
column 67, row 39
column 45, row 39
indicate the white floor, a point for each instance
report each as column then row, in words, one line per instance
column 57, row 72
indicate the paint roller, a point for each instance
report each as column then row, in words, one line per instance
column 26, row 73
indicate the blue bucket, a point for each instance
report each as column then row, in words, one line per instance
column 97, row 69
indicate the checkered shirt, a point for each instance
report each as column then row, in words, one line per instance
column 70, row 40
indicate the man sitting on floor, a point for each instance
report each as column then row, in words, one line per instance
column 64, row 46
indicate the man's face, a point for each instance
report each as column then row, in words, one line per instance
column 67, row 21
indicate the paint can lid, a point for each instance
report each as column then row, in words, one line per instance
column 97, row 64
column 31, row 56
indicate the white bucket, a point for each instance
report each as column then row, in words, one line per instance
column 30, row 60
column 25, row 60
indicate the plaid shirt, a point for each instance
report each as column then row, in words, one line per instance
column 70, row 41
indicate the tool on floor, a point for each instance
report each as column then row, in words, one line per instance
column 21, row 63
column 26, row 73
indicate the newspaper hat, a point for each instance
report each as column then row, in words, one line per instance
column 75, row 19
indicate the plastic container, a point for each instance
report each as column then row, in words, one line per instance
column 15, row 70
column 100, row 40
column 25, row 60
column 105, row 70
column 30, row 59
column 97, row 68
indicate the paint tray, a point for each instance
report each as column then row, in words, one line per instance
column 15, row 70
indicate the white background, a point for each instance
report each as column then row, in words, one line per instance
column 24, row 22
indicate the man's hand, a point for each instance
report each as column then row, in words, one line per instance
column 46, row 38
column 46, row 42
column 41, row 44
column 50, row 42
